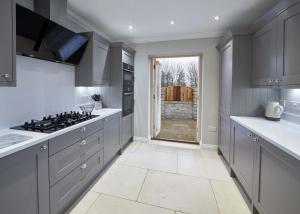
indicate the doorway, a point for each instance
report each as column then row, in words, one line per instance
column 176, row 98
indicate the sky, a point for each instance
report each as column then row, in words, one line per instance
column 185, row 61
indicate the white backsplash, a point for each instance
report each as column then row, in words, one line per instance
column 42, row 88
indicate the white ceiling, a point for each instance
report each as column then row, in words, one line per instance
column 151, row 18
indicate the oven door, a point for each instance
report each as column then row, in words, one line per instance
column 128, row 82
column 128, row 103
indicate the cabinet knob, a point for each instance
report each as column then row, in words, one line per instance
column 255, row 139
column 83, row 129
column 83, row 166
column 44, row 147
column 83, row 142
column 5, row 75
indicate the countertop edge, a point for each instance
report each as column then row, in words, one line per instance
column 268, row 139
column 37, row 140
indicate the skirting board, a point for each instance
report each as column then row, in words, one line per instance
column 141, row 139
column 209, row 146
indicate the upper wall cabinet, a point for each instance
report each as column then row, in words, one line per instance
column 289, row 46
column 94, row 68
column 277, row 48
column 8, row 43
column 265, row 54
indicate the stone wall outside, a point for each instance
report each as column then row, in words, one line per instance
column 178, row 109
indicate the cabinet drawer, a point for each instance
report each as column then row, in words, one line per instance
column 63, row 162
column 92, row 144
column 63, row 141
column 65, row 191
column 93, row 167
column 91, row 128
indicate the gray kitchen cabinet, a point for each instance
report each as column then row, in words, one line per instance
column 127, row 129
column 112, row 136
column 242, row 161
column 24, row 181
column 289, row 46
column 127, row 57
column 8, row 43
column 276, row 180
column 65, row 140
column 94, row 67
column 66, row 191
column 265, row 55
column 226, row 69
column 226, row 58
column 224, row 136
column 63, row 162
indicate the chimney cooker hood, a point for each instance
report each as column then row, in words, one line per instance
column 41, row 38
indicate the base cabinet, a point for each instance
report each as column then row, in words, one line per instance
column 65, row 192
column 112, row 137
column 224, row 141
column 269, row 176
column 127, row 129
column 276, row 181
column 243, row 156
column 24, row 182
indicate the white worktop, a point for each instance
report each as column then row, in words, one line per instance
column 283, row 134
column 37, row 137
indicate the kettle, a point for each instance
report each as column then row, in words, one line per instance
column 273, row 111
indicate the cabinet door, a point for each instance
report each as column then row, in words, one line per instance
column 112, row 131
column 243, row 156
column 226, row 79
column 63, row 162
column 224, row 136
column 101, row 63
column 24, row 182
column 265, row 55
column 277, row 181
column 127, row 129
column 7, row 43
column 289, row 46
column 63, row 194
column 128, row 58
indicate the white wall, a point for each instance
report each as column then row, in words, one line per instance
column 42, row 88
column 210, row 82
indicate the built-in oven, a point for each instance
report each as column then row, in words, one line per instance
column 128, row 103
column 128, row 78
column 128, row 89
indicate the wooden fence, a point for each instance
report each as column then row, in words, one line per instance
column 179, row 93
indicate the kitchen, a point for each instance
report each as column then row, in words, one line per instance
column 75, row 129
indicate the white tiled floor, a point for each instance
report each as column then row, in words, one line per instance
column 164, row 178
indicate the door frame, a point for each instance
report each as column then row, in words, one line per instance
column 199, row 128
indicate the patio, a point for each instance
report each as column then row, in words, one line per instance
column 178, row 130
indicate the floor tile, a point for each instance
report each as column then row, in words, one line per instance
column 111, row 205
column 203, row 167
column 229, row 199
column 161, row 161
column 85, row 203
column 178, row 192
column 131, row 147
column 122, row 181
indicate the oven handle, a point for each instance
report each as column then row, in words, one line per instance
column 129, row 93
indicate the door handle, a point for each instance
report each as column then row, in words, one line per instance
column 83, row 166
column 44, row 147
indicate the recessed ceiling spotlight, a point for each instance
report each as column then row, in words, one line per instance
column 217, row 18
column 172, row 22
column 130, row 27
